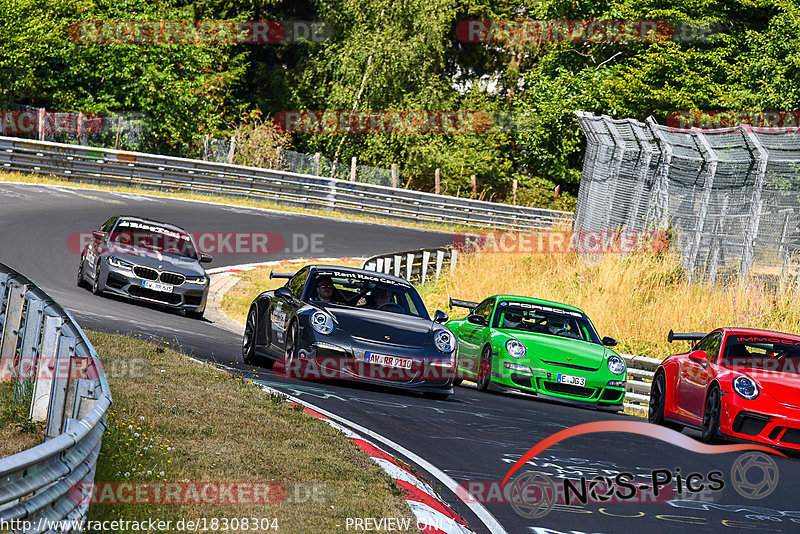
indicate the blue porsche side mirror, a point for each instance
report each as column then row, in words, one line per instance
column 440, row 317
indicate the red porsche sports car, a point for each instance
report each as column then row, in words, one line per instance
column 735, row 383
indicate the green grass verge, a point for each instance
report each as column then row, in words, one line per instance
column 174, row 420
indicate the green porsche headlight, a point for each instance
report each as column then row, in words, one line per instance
column 616, row 364
column 515, row 348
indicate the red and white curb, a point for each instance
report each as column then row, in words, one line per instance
column 434, row 515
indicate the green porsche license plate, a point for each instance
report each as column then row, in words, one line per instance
column 571, row 380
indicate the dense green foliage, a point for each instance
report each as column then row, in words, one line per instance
column 384, row 55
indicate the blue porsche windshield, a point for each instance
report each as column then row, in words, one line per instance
column 540, row 319
column 368, row 291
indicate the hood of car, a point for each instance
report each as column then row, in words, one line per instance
column 381, row 326
column 162, row 262
column 783, row 387
column 561, row 350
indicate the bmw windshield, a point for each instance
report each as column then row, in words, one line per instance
column 130, row 236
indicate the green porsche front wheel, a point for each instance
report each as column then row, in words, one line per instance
column 485, row 369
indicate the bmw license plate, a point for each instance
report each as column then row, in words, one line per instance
column 571, row 380
column 155, row 286
column 388, row 361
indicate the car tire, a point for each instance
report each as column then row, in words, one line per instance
column 437, row 396
column 711, row 416
column 291, row 347
column 485, row 369
column 81, row 281
column 658, row 400
column 458, row 381
column 97, row 286
column 249, row 338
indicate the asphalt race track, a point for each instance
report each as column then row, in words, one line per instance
column 472, row 436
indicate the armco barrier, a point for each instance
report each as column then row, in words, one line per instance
column 414, row 265
column 50, row 359
column 425, row 264
column 113, row 167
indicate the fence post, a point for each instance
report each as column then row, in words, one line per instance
column 785, row 252
column 118, row 140
column 705, row 200
column 79, row 125
column 42, row 123
column 394, row 175
column 658, row 213
column 232, row 150
column 205, row 147
column 514, row 189
column 474, row 186
column 761, row 156
column 316, row 164
column 353, row 163
column 437, row 182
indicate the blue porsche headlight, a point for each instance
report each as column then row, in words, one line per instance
column 321, row 322
column 444, row 341
column 745, row 387
column 515, row 348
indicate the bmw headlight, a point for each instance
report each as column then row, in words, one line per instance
column 199, row 280
column 745, row 387
column 322, row 322
column 119, row 264
column 616, row 364
column 515, row 348
column 444, row 341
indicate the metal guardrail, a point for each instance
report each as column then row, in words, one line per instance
column 414, row 265
column 426, row 264
column 50, row 359
column 114, row 167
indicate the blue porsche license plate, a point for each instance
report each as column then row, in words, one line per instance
column 388, row 361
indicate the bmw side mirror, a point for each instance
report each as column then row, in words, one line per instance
column 283, row 292
column 98, row 235
column 206, row 258
column 477, row 319
column 440, row 317
column 609, row 341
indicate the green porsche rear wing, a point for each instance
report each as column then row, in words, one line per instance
column 462, row 304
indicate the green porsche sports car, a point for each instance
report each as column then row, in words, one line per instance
column 540, row 347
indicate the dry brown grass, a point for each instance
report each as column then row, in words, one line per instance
column 635, row 298
column 183, row 421
column 17, row 433
column 236, row 302
column 233, row 200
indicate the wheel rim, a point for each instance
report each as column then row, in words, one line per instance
column 96, row 281
column 710, row 414
column 80, row 272
column 657, row 399
column 249, row 335
column 485, row 369
column 290, row 346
